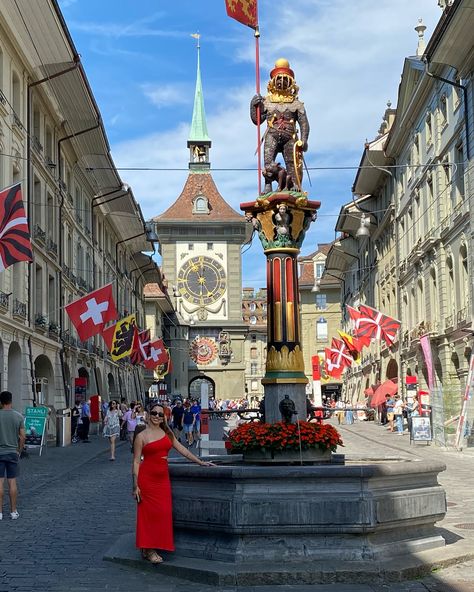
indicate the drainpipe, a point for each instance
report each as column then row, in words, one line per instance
column 465, row 99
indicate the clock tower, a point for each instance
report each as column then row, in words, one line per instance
column 200, row 238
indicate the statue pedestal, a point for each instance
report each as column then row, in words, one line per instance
column 283, row 457
column 274, row 393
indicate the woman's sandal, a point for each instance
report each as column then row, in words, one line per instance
column 152, row 556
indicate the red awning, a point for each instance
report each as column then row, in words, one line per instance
column 369, row 391
column 389, row 387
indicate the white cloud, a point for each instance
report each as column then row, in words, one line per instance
column 167, row 95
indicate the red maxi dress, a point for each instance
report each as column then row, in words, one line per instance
column 154, row 511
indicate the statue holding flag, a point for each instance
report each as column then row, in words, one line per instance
column 284, row 113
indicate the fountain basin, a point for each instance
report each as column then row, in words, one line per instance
column 243, row 514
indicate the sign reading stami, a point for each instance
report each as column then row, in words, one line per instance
column 35, row 425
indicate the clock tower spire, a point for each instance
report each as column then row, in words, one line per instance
column 199, row 142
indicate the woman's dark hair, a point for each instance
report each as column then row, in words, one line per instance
column 164, row 425
column 111, row 403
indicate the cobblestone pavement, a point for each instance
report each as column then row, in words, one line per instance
column 74, row 504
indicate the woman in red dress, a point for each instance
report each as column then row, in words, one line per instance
column 151, row 484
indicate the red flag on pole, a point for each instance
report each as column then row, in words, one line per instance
column 157, row 355
column 90, row 313
column 244, row 11
column 15, row 244
column 354, row 314
column 376, row 325
column 140, row 347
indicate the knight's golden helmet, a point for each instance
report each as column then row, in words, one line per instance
column 282, row 76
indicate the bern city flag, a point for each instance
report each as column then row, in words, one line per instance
column 157, row 355
column 340, row 349
column 377, row 325
column 121, row 337
column 244, row 11
column 90, row 313
column 354, row 314
column 15, row 244
column 353, row 344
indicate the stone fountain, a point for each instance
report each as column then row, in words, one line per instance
column 245, row 524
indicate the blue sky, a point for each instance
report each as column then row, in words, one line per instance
column 141, row 62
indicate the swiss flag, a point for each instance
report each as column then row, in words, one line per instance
column 157, row 355
column 90, row 313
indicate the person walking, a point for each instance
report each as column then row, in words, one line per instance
column 151, row 484
column 398, row 413
column 389, row 405
column 130, row 423
column 112, row 426
column 196, row 409
column 86, row 421
column 340, row 411
column 349, row 414
column 177, row 413
column 188, row 424
column 12, row 441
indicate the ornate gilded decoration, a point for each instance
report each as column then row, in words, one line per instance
column 201, row 281
column 285, row 360
column 225, row 350
column 203, row 350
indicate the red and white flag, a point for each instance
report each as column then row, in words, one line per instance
column 376, row 325
column 15, row 244
column 157, row 355
column 354, row 314
column 90, row 313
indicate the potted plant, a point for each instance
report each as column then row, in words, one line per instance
column 284, row 442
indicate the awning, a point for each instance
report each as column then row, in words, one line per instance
column 389, row 387
column 369, row 391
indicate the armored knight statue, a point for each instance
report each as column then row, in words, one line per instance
column 284, row 114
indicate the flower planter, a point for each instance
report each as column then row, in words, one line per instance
column 265, row 456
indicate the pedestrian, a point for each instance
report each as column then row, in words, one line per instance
column 340, row 411
column 188, row 424
column 196, row 409
column 130, row 423
column 412, row 408
column 123, row 424
column 177, row 414
column 86, row 421
column 139, row 414
column 398, row 413
column 349, row 414
column 75, row 416
column 151, row 485
column 12, row 441
column 112, row 426
column 389, row 405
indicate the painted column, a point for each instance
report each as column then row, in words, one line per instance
column 281, row 221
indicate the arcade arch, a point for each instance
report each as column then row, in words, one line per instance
column 14, row 374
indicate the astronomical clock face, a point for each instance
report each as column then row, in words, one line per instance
column 203, row 350
column 202, row 281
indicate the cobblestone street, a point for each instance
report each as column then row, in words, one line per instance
column 74, row 504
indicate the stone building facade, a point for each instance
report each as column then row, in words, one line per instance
column 254, row 314
column 87, row 229
column 414, row 186
column 320, row 310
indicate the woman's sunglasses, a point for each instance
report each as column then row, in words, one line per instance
column 159, row 413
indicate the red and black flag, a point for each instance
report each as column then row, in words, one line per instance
column 376, row 325
column 15, row 242
column 141, row 347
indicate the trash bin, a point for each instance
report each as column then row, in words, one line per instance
column 63, row 427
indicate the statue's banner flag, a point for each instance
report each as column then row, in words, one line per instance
column 121, row 337
column 244, row 11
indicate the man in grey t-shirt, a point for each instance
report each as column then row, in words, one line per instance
column 12, row 440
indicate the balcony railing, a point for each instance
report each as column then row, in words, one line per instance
column 17, row 122
column 4, row 300
column 19, row 309
column 81, row 282
column 462, row 315
column 450, row 321
column 37, row 144
column 39, row 234
column 51, row 246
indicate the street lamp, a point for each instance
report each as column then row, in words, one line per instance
column 363, row 229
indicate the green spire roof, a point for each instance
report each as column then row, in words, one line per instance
column 198, row 131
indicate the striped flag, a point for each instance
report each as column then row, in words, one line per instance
column 376, row 325
column 15, row 241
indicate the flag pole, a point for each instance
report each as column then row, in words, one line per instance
column 257, row 84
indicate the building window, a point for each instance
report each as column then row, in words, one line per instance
column 210, row 246
column 253, row 320
column 252, row 306
column 459, row 172
column 190, row 247
column 253, row 369
column 429, row 130
column 253, row 353
column 321, row 301
column 443, row 109
column 319, row 270
column 322, row 329
column 253, row 337
column 200, row 205
column 254, row 385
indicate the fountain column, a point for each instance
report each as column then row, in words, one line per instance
column 281, row 220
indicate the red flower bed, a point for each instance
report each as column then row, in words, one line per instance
column 279, row 436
